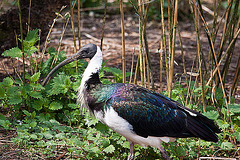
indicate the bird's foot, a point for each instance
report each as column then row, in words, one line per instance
column 164, row 153
column 130, row 157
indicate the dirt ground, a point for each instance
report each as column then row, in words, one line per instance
column 91, row 25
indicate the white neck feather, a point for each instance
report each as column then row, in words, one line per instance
column 94, row 66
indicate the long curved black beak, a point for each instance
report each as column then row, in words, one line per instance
column 74, row 57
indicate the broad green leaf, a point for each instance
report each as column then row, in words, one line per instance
column 7, row 82
column 14, row 95
column 61, row 84
column 31, row 50
column 26, row 113
column 234, row 108
column 35, row 94
column 109, row 149
column 47, row 135
column 211, row 114
column 226, row 145
column 5, row 124
column 2, row 92
column 55, row 106
column 14, row 52
column 35, row 77
column 33, row 124
column 33, row 136
column 222, row 124
column 72, row 105
column 54, row 122
column 60, row 136
column 237, row 135
column 181, row 151
column 37, row 104
column 30, row 39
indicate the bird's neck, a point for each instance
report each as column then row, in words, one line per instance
column 90, row 77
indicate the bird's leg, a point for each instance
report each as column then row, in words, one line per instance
column 164, row 153
column 131, row 154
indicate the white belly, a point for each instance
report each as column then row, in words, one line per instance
column 122, row 127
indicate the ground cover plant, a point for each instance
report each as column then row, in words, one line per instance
column 49, row 124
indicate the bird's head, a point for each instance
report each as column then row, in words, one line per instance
column 87, row 51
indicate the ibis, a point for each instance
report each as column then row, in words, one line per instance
column 142, row 116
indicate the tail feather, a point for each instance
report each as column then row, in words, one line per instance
column 203, row 128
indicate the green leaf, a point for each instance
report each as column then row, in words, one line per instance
column 36, row 94
column 14, row 95
column 211, row 114
column 181, row 151
column 61, row 84
column 33, row 124
column 109, row 149
column 7, row 82
column 60, row 135
column 47, row 135
column 234, row 108
column 237, row 135
column 226, row 145
column 33, row 136
column 35, row 77
column 5, row 124
column 222, row 124
column 26, row 113
column 55, row 106
column 72, row 105
column 30, row 51
column 37, row 104
column 30, row 39
column 14, row 52
column 2, row 92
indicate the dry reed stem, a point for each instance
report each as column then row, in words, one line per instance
column 79, row 24
column 218, row 70
column 199, row 53
column 60, row 42
column 21, row 31
column 29, row 14
column 48, row 35
column 123, row 43
column 164, row 37
column 172, row 48
column 140, row 12
column 130, row 81
column 103, row 25
column 73, row 28
column 161, row 63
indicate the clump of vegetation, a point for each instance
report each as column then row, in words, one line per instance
column 49, row 124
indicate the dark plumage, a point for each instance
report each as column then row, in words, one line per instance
column 144, row 117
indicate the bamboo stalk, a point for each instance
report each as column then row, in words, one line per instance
column 199, row 54
column 103, row 25
column 164, row 37
column 219, row 74
column 123, row 42
column 59, row 44
column 73, row 28
column 169, row 82
column 161, row 63
column 183, row 59
column 130, row 81
column 29, row 14
column 73, row 31
column 141, row 43
column 21, row 31
column 79, row 24
column 236, row 79
column 172, row 48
